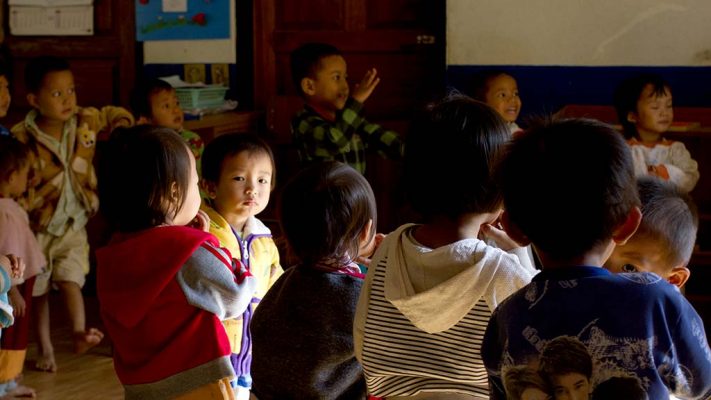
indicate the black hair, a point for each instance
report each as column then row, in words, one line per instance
column 141, row 96
column 452, row 147
column 324, row 210
column 306, row 59
column 230, row 145
column 39, row 67
column 568, row 184
column 137, row 170
column 480, row 82
column 670, row 218
column 627, row 95
column 564, row 355
column 620, row 388
column 13, row 156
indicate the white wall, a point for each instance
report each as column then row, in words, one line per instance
column 193, row 51
column 579, row 32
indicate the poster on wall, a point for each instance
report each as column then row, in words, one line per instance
column 182, row 19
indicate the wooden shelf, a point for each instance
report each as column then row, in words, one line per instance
column 215, row 125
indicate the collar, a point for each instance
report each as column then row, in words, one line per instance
column 569, row 273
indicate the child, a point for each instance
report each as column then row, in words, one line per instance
column 585, row 204
column 331, row 125
column 238, row 176
column 164, row 287
column 16, row 238
column 644, row 108
column 62, row 196
column 525, row 383
column 303, row 328
column 665, row 239
column 434, row 286
column 155, row 102
column 500, row 91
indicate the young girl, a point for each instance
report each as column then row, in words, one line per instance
column 431, row 288
column 238, row 176
column 644, row 108
column 16, row 238
column 164, row 287
column 303, row 328
column 500, row 91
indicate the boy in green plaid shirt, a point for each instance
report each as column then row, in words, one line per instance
column 331, row 125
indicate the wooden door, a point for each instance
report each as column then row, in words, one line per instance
column 402, row 39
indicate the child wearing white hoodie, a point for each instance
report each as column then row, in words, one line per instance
column 431, row 288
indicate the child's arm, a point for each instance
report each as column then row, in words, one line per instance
column 680, row 168
column 491, row 354
column 318, row 135
column 212, row 283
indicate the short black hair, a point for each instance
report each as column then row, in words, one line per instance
column 564, row 355
column 568, row 184
column 627, row 95
column 669, row 218
column 620, row 388
column 230, row 145
column 39, row 67
column 13, row 156
column 137, row 169
column 324, row 210
column 480, row 82
column 453, row 145
column 306, row 59
column 141, row 96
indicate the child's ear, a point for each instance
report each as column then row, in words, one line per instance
column 628, row 227
column 367, row 240
column 209, row 188
column 32, row 99
column 513, row 231
column 308, row 86
column 632, row 117
column 678, row 276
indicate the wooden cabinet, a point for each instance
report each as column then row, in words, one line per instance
column 104, row 64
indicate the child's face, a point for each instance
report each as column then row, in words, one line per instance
column 654, row 113
column 330, row 87
column 191, row 205
column 56, row 99
column 638, row 255
column 571, row 386
column 244, row 186
column 4, row 95
column 502, row 96
column 18, row 180
column 165, row 110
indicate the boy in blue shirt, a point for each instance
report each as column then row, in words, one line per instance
column 633, row 325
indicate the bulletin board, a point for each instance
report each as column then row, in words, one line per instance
column 182, row 19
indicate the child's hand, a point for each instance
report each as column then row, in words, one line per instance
column 498, row 235
column 201, row 221
column 17, row 268
column 365, row 260
column 17, row 302
column 363, row 90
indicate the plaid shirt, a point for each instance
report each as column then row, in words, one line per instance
column 344, row 139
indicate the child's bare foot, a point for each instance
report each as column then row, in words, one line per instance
column 45, row 362
column 21, row 391
column 83, row 341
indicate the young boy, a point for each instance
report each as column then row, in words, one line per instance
column 238, row 177
column 665, row 238
column 331, row 125
column 633, row 324
column 62, row 196
column 155, row 102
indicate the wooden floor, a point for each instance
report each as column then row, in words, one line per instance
column 88, row 376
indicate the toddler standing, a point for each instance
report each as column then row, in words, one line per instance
column 164, row 287
column 644, row 108
column 238, row 176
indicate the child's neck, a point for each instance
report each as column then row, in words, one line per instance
column 237, row 223
column 327, row 114
column 442, row 231
column 5, row 191
column 50, row 126
column 649, row 137
column 595, row 257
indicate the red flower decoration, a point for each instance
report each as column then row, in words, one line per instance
column 200, row 19
column 144, row 2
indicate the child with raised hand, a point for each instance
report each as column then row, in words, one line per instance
column 238, row 176
column 635, row 325
column 499, row 90
column 303, row 328
column 62, row 195
column 644, row 108
column 164, row 287
column 155, row 102
column 431, row 287
column 331, row 125
column 665, row 239
column 16, row 238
